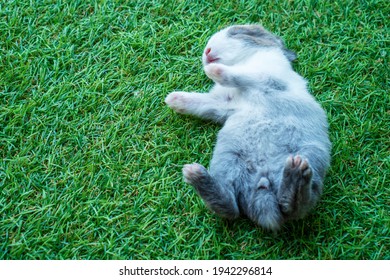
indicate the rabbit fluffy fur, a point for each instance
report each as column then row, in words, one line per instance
column 273, row 150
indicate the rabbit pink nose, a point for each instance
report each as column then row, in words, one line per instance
column 207, row 51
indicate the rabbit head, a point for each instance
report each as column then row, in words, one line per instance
column 235, row 44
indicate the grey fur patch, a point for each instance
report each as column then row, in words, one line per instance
column 289, row 54
column 276, row 84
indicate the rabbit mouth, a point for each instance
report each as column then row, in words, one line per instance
column 210, row 59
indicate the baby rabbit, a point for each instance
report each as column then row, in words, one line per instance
column 273, row 150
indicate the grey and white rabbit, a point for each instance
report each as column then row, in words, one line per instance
column 273, row 150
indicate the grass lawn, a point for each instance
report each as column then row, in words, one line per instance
column 91, row 156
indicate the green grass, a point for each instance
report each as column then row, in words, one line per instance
column 91, row 157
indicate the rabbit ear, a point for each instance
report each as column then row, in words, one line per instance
column 258, row 36
column 254, row 35
column 250, row 30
